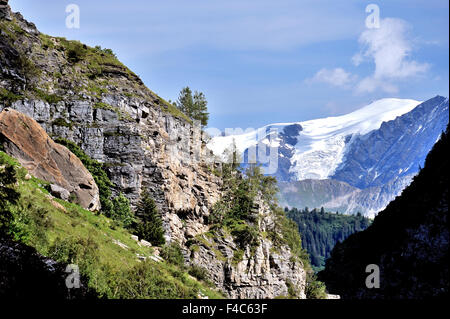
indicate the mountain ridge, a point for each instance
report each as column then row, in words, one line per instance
column 376, row 149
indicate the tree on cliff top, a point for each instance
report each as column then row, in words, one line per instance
column 193, row 105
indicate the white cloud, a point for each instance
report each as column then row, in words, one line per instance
column 390, row 49
column 336, row 77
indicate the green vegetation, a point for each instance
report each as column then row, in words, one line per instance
column 117, row 208
column 122, row 211
column 199, row 272
column 62, row 122
column 70, row 234
column 173, row 254
column 8, row 97
column 46, row 41
column 237, row 214
column 149, row 223
column 49, row 98
column 320, row 231
column 193, row 105
column 314, row 289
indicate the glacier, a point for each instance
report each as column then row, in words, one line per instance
column 321, row 143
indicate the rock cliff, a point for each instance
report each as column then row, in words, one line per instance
column 24, row 139
column 87, row 96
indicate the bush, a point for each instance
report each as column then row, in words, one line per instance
column 173, row 254
column 146, row 281
column 49, row 98
column 75, row 51
column 80, row 251
column 314, row 289
column 199, row 272
column 8, row 97
column 122, row 211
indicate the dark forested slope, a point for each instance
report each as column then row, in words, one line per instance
column 320, row 231
column 408, row 241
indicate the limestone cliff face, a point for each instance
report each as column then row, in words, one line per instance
column 268, row 271
column 87, row 96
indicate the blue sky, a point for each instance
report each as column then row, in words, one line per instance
column 260, row 61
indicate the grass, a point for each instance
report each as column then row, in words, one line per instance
column 8, row 97
column 49, row 98
column 62, row 122
column 49, row 225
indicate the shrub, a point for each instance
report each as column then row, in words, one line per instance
column 314, row 289
column 173, row 254
column 122, row 211
column 199, row 272
column 62, row 122
column 49, row 98
column 8, row 97
column 73, row 250
column 75, row 51
column 146, row 281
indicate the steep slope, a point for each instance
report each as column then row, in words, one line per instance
column 409, row 241
column 40, row 235
column 397, row 148
column 85, row 95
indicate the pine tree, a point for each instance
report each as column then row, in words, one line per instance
column 149, row 226
column 194, row 105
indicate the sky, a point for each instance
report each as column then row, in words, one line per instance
column 260, row 62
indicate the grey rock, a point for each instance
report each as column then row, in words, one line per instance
column 59, row 192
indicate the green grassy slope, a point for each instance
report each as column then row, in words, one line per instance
column 67, row 233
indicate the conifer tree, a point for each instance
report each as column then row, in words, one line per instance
column 149, row 226
column 194, row 105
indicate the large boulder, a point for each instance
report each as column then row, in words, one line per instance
column 23, row 138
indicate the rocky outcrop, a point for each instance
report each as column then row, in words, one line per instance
column 266, row 271
column 5, row 10
column 23, row 138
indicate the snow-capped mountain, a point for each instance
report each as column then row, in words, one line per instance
column 379, row 145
